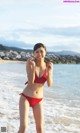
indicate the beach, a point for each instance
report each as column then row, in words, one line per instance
column 61, row 102
column 6, row 61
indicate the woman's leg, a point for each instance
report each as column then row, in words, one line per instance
column 24, row 110
column 38, row 115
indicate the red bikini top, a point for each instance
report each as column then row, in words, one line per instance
column 41, row 79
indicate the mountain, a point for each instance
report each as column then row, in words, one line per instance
column 20, row 49
column 63, row 53
column 3, row 47
column 72, row 53
column 7, row 48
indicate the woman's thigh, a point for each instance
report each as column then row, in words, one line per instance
column 24, row 110
column 38, row 114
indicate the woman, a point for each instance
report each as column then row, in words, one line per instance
column 37, row 72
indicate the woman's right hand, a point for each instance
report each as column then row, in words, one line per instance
column 30, row 69
column 31, row 61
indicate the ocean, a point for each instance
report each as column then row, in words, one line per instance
column 61, row 102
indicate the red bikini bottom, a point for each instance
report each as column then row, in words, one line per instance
column 32, row 101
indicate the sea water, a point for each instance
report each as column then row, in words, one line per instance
column 61, row 102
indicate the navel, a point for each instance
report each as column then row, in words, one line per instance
column 36, row 92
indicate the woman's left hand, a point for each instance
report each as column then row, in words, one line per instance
column 49, row 66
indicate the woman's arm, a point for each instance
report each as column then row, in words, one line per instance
column 30, row 69
column 50, row 73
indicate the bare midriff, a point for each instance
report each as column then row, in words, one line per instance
column 34, row 90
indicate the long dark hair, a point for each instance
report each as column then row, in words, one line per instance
column 38, row 45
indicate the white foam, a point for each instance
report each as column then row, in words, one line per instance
column 61, row 115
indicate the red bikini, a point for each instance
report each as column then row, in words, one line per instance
column 41, row 79
column 33, row 101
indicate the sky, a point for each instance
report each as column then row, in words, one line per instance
column 55, row 23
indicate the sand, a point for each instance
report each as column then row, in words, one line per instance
column 5, row 61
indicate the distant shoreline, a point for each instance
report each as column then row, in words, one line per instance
column 12, row 54
column 6, row 61
column 19, row 61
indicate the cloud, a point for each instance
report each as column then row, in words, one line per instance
column 64, row 31
column 56, row 38
column 15, row 43
column 66, row 47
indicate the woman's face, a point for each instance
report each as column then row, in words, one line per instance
column 39, row 53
